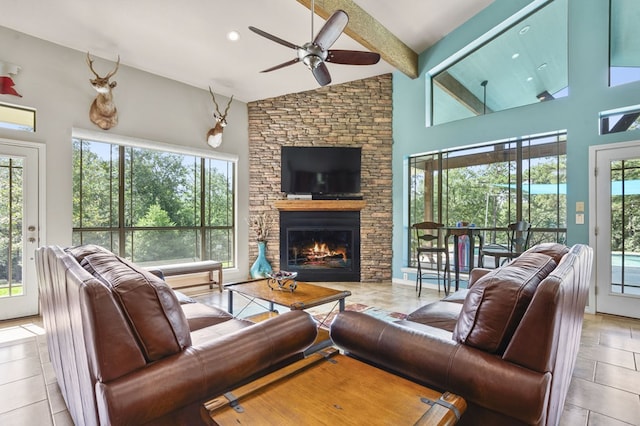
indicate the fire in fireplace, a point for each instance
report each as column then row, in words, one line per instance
column 319, row 249
column 321, row 246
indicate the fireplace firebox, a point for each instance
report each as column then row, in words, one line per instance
column 321, row 245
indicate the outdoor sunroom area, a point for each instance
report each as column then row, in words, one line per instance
column 490, row 186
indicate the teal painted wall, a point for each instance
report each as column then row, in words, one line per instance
column 589, row 94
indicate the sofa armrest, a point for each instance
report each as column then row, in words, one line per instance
column 429, row 355
column 204, row 371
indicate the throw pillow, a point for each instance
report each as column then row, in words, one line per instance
column 150, row 305
column 496, row 303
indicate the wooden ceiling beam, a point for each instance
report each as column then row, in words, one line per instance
column 460, row 93
column 370, row 33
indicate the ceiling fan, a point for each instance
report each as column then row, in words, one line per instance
column 315, row 53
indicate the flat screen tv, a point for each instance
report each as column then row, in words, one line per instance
column 320, row 170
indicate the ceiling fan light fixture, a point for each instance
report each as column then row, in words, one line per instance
column 315, row 53
column 312, row 61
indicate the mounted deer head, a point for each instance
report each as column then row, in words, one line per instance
column 103, row 112
column 214, row 136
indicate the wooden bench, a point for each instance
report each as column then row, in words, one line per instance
column 192, row 274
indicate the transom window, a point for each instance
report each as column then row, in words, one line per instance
column 493, row 185
column 153, row 206
column 17, row 118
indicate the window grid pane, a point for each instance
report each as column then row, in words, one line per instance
column 491, row 186
column 625, row 241
column 11, row 213
column 157, row 218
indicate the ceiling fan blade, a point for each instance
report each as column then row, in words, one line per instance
column 282, row 65
column 352, row 57
column 321, row 73
column 331, row 29
column 273, row 38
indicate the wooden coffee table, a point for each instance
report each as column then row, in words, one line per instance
column 305, row 295
column 328, row 388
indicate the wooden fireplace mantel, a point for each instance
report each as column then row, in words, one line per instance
column 319, row 205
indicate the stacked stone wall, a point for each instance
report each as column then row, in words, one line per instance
column 355, row 114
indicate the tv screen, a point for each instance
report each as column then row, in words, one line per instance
column 320, row 170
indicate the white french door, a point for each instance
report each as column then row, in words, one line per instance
column 617, row 208
column 19, row 228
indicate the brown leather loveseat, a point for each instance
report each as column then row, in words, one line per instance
column 125, row 351
column 507, row 345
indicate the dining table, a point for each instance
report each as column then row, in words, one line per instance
column 473, row 233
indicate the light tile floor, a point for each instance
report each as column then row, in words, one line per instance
column 605, row 389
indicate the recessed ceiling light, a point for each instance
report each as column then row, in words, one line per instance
column 233, row 35
column 524, row 30
column 529, row 78
column 542, row 66
column 515, row 56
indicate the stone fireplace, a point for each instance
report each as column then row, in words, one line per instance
column 354, row 114
column 321, row 246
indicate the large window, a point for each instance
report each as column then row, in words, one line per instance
column 493, row 185
column 522, row 61
column 153, row 206
column 624, row 42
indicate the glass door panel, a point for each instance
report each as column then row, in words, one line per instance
column 18, row 230
column 617, row 230
column 625, row 228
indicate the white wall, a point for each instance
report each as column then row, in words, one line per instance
column 55, row 81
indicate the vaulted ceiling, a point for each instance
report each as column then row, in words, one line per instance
column 187, row 41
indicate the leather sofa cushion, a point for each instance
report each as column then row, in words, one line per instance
column 150, row 305
column 218, row 331
column 457, row 297
column 183, row 299
column 200, row 315
column 82, row 251
column 555, row 250
column 440, row 314
column 496, row 303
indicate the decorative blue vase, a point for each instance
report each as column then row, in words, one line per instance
column 261, row 267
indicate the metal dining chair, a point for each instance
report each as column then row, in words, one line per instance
column 430, row 240
column 519, row 235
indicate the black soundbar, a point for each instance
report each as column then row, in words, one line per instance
column 336, row 197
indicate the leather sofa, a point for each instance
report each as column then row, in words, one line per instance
column 125, row 351
column 507, row 344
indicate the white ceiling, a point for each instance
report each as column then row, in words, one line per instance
column 186, row 41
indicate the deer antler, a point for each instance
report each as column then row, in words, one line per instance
column 109, row 75
column 90, row 63
column 217, row 107
column 226, row 110
column 214, row 100
column 115, row 70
